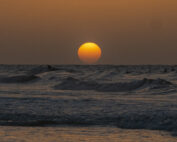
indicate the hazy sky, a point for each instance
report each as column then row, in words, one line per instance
column 50, row 31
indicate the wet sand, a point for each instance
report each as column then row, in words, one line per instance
column 81, row 134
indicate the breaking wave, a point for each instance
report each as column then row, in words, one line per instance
column 75, row 84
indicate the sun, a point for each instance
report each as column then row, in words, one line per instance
column 89, row 52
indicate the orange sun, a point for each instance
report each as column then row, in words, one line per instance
column 89, row 52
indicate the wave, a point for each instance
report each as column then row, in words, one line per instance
column 18, row 79
column 75, row 84
column 42, row 69
column 152, row 120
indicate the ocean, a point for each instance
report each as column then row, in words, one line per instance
column 88, row 103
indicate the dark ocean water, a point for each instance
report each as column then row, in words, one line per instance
column 131, row 97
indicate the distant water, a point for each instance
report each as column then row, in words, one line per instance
column 88, row 97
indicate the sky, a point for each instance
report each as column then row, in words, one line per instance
column 51, row 31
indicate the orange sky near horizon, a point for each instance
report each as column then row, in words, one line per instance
column 51, row 31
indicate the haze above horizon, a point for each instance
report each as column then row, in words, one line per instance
column 50, row 32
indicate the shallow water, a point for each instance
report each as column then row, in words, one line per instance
column 81, row 134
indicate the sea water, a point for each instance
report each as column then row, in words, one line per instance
column 88, row 103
